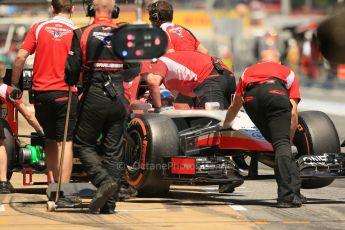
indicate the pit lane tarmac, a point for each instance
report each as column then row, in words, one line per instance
column 251, row 206
column 185, row 207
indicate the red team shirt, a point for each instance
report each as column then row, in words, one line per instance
column 50, row 41
column 179, row 38
column 268, row 70
column 182, row 71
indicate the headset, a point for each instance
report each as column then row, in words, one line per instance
column 90, row 9
column 155, row 14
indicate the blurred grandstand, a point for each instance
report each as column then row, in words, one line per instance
column 232, row 29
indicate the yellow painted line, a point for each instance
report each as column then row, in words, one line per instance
column 3, row 222
column 296, row 222
column 262, row 222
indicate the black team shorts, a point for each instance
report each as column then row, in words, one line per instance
column 51, row 111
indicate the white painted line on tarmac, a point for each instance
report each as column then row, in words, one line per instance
column 121, row 211
column 237, row 207
column 2, row 208
column 329, row 107
column 233, row 206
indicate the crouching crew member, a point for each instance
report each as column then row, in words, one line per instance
column 6, row 186
column 192, row 74
column 101, row 108
column 270, row 93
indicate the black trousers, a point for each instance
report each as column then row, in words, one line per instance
column 216, row 89
column 219, row 89
column 269, row 108
column 99, row 114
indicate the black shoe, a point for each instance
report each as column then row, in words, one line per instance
column 109, row 206
column 107, row 210
column 283, row 204
column 302, row 198
column 11, row 187
column 69, row 200
column 127, row 192
column 104, row 192
column 295, row 203
column 5, row 188
column 229, row 188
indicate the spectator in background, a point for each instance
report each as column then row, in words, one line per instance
column 310, row 57
column 292, row 56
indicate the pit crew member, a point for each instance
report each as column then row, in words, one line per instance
column 50, row 40
column 102, row 108
column 269, row 92
column 6, row 186
column 179, row 38
column 192, row 74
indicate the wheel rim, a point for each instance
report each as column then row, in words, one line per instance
column 133, row 155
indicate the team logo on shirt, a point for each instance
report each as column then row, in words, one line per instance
column 57, row 32
column 104, row 37
column 177, row 31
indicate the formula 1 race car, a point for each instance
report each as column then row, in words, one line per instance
column 188, row 146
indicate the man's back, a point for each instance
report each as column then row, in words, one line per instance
column 96, row 43
column 50, row 41
column 180, row 39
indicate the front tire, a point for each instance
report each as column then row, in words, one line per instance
column 316, row 135
column 155, row 137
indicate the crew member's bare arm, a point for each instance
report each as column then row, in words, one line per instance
column 29, row 117
column 232, row 111
column 153, row 82
column 18, row 65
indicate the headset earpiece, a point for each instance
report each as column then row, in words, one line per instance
column 116, row 11
column 155, row 15
column 90, row 10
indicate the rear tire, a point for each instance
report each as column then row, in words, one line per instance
column 155, row 137
column 316, row 135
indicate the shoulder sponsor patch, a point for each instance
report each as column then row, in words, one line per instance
column 104, row 37
column 57, row 32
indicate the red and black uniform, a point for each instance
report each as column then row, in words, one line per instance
column 266, row 89
column 193, row 74
column 179, row 38
column 4, row 98
column 50, row 41
column 92, row 54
